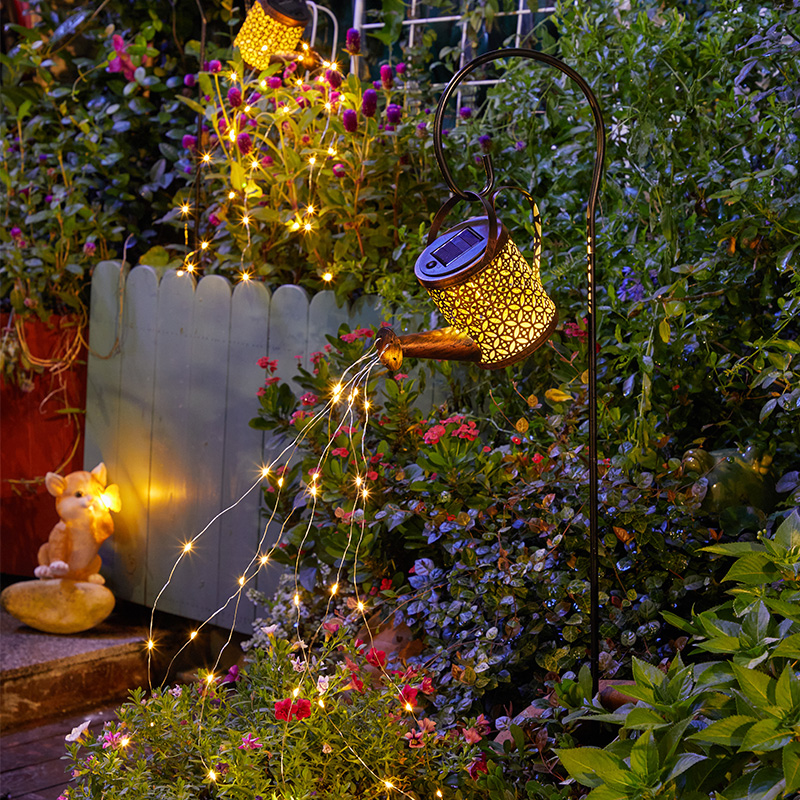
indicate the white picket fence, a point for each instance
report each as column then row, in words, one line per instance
column 168, row 413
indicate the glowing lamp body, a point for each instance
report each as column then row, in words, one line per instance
column 269, row 31
column 486, row 289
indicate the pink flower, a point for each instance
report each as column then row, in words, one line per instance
column 376, row 658
column 483, row 725
column 331, row 627
column 487, row 449
column 467, row 431
column 415, row 739
column 268, row 365
column 427, row 685
column 250, row 742
column 340, row 451
column 472, row 735
column 289, row 708
column 309, row 399
column 427, row 725
column 432, row 435
column 270, row 381
column 574, row 331
column 111, row 739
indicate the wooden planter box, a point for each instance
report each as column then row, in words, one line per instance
column 37, row 438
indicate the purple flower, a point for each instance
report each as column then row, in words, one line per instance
column 422, row 129
column 350, row 120
column 189, row 142
column 254, row 98
column 232, row 676
column 334, row 78
column 387, row 76
column 393, row 113
column 339, row 170
column 42, row 158
column 215, row 66
column 214, row 220
column 353, row 42
column 189, row 80
column 235, row 96
column 48, row 198
column 465, row 112
column 401, row 67
column 376, row 85
column 15, row 232
column 223, row 126
column 274, row 82
column 244, row 143
column 369, row 103
column 519, row 146
column 485, row 142
column 267, row 161
column 89, row 248
column 291, row 68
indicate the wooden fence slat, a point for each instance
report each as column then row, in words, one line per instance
column 288, row 331
column 135, row 416
column 103, row 376
column 171, row 467
column 240, row 528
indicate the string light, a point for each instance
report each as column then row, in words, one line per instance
column 331, row 151
column 328, row 106
column 254, row 163
column 245, row 277
column 388, row 784
column 334, row 588
column 308, row 227
column 264, row 472
column 295, row 691
column 297, row 599
column 263, row 84
column 185, row 208
column 150, row 644
column 409, row 707
column 125, row 741
column 187, row 548
column 212, row 776
column 192, row 636
column 295, row 226
column 312, row 160
column 360, row 605
column 241, row 580
column 232, row 134
column 204, row 245
column 245, row 220
column 210, row 678
column 234, row 76
column 321, row 703
column 280, row 481
column 312, row 489
column 189, row 266
column 206, row 158
column 310, row 210
column 264, row 560
column 327, row 276
column 247, row 109
column 231, row 195
column 438, row 792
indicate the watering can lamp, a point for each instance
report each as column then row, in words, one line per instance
column 493, row 298
column 272, row 29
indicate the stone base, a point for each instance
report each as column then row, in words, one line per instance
column 58, row 605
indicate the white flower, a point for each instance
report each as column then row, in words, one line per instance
column 322, row 684
column 269, row 630
column 298, row 664
column 501, row 723
column 76, row 733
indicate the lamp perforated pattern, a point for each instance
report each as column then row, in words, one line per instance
column 261, row 36
column 504, row 307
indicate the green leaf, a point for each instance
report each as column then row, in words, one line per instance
column 640, row 718
column 683, row 762
column 755, row 624
column 791, row 766
column 729, row 731
column 757, row 687
column 734, row 548
column 591, row 766
column 766, row 735
column 646, row 674
column 644, row 756
column 788, row 533
column 664, row 330
column 753, row 569
column 788, row 647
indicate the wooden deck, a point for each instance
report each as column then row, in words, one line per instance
column 32, row 765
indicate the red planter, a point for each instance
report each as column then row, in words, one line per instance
column 37, row 439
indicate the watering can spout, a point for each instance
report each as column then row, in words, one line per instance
column 443, row 343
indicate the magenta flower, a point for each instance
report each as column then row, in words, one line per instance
column 189, row 80
column 465, row 112
column 189, row 142
column 288, row 708
column 393, row 113
column 353, row 42
column 214, row 220
column 334, row 78
column 369, row 103
column 274, row 82
column 89, row 248
column 235, row 96
column 309, row 399
column 350, row 120
column 265, row 363
column 244, row 143
column 215, row 66
column 250, row 742
column 387, row 76
column 267, row 161
column 340, row 451
column 422, row 129
column 339, row 170
column 401, row 67
column 432, row 435
column 485, row 142
column 414, row 739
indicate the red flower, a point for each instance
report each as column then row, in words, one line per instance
column 372, row 475
column 376, row 658
column 408, row 694
column 309, row 399
column 268, row 365
column 386, row 584
column 478, row 765
column 340, row 451
column 289, row 708
column 427, row 686
column 538, row 458
column 433, row 434
column 516, row 440
column 356, row 683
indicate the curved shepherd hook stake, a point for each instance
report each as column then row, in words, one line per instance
column 465, row 348
column 591, row 315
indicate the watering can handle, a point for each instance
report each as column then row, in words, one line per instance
column 488, row 207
